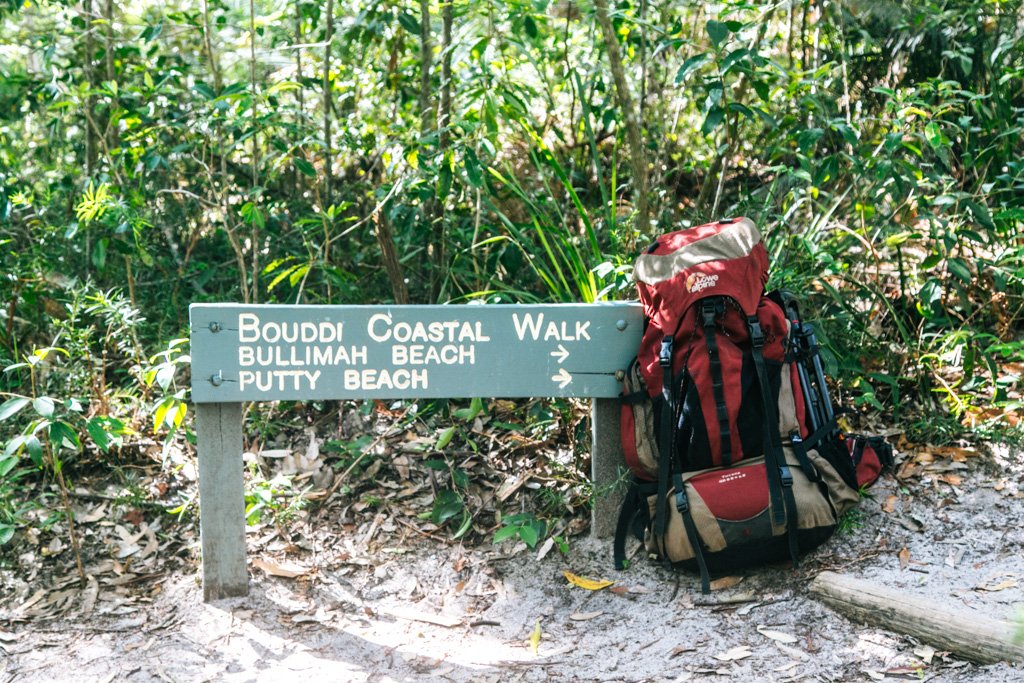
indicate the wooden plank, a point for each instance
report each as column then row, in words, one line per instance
column 275, row 352
column 606, row 466
column 964, row 632
column 221, row 500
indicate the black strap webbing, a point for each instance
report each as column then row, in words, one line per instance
column 710, row 310
column 630, row 506
column 665, row 435
column 814, row 439
column 800, row 450
column 792, row 522
column 774, row 459
column 683, row 506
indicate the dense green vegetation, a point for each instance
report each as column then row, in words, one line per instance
column 353, row 151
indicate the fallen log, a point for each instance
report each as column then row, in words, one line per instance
column 962, row 631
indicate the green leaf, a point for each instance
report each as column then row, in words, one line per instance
column 35, row 450
column 6, row 533
column 43, row 406
column 505, row 533
column 152, row 33
column 146, row 257
column 7, row 464
column 12, row 406
column 717, row 32
column 933, row 134
column 959, row 268
column 165, row 375
column 711, row 121
column 476, row 406
column 409, row 23
column 99, row 253
column 62, row 434
column 204, row 90
column 447, row 504
column 531, row 26
column 980, row 213
column 529, row 535
column 445, row 438
column 160, row 414
column 472, row 164
column 304, row 167
column 692, row 64
column 735, row 58
column 742, row 109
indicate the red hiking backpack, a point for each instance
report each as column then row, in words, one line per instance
column 727, row 426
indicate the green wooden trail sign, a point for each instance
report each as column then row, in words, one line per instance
column 276, row 352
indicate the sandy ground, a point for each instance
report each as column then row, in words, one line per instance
column 384, row 611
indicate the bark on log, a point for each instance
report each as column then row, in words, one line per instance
column 962, row 631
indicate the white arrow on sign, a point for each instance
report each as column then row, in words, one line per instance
column 563, row 378
column 561, row 354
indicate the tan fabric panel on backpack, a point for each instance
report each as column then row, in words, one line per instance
column 842, row 496
column 645, row 441
column 735, row 241
column 788, row 422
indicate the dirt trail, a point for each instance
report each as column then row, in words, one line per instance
column 439, row 612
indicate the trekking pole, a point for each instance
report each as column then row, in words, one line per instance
column 802, row 353
column 819, row 373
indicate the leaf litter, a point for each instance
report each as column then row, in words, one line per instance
column 364, row 564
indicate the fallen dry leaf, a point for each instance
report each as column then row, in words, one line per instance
column 889, row 506
column 777, row 635
column 287, row 570
column 793, row 652
column 535, row 638
column 589, row 584
column 1001, row 586
column 680, row 649
column 584, row 616
column 951, row 479
column 725, row 582
column 89, row 595
column 425, row 617
column 904, row 556
column 925, row 653
column 734, row 654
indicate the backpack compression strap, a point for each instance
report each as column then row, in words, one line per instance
column 710, row 310
column 666, row 431
column 780, row 478
column 683, row 506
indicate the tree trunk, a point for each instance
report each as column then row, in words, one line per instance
column 111, row 75
column 389, row 255
column 634, row 136
column 444, row 119
column 426, row 60
column 90, row 101
column 327, row 202
column 256, row 246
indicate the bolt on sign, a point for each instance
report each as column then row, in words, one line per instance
column 279, row 352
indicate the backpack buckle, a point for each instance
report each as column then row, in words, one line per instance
column 682, row 504
column 711, row 309
column 665, row 355
column 786, row 475
column 756, row 333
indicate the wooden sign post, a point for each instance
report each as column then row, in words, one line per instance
column 279, row 352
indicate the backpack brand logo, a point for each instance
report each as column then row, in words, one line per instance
column 728, row 477
column 698, row 282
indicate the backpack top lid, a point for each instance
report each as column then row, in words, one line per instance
column 725, row 258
